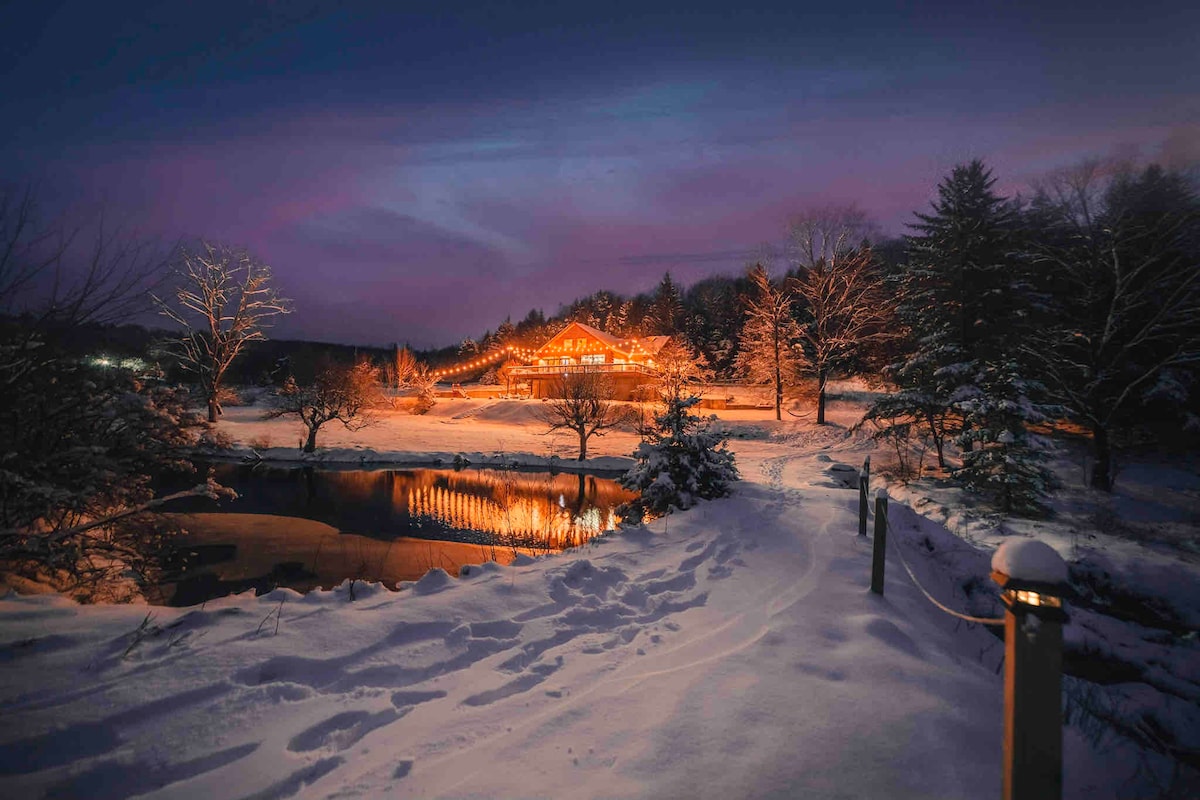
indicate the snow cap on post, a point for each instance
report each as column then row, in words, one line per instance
column 881, row 493
column 1030, row 560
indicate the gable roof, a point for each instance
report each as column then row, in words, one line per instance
column 648, row 344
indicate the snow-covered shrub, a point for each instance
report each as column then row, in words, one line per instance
column 682, row 461
column 76, row 474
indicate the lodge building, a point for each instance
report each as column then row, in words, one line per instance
column 629, row 363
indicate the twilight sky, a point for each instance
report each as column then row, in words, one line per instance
column 419, row 174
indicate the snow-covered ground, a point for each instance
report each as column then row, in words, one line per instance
column 729, row 651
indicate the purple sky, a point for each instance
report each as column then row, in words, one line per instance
column 419, row 175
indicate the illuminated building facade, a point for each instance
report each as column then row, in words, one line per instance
column 629, row 363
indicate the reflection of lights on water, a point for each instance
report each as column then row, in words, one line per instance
column 590, row 520
column 511, row 508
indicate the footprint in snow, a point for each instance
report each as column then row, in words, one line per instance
column 292, row 784
column 341, row 730
column 407, row 699
column 536, row 675
column 118, row 778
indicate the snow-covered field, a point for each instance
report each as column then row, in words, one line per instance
column 729, row 651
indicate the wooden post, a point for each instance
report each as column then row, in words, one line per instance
column 1033, row 639
column 877, row 550
column 864, row 483
column 862, row 505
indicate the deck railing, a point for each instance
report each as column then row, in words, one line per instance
column 561, row 369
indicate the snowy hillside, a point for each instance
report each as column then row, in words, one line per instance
column 729, row 651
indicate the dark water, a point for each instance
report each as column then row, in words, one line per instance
column 387, row 525
column 486, row 506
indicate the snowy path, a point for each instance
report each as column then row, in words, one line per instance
column 731, row 652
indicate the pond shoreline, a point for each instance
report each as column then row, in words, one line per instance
column 293, row 522
column 231, row 553
column 372, row 460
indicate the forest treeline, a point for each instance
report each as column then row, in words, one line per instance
column 993, row 318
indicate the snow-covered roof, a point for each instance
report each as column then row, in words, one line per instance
column 648, row 345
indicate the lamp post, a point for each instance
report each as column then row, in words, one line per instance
column 1033, row 583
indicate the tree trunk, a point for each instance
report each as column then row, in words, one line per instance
column 311, row 444
column 582, row 445
column 212, row 407
column 937, row 440
column 1102, row 452
column 821, row 398
column 778, row 393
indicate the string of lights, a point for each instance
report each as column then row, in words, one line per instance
column 631, row 348
column 511, row 351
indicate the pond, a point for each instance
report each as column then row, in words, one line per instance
column 304, row 527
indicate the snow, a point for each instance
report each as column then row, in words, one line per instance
column 1030, row 560
column 731, row 650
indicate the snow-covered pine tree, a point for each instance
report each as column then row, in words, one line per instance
column 468, row 348
column 618, row 320
column 666, row 309
column 966, row 301
column 683, row 460
column 712, row 321
column 506, row 333
column 1001, row 458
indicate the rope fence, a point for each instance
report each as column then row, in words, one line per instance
column 967, row 617
column 1032, row 757
column 884, row 532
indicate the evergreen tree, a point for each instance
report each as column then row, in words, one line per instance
column 618, row 321
column 506, row 334
column 666, row 309
column 534, row 330
column 683, row 460
column 602, row 309
column 967, row 302
column 713, row 321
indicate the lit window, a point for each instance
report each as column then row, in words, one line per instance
column 594, row 358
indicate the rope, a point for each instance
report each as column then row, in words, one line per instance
column 928, row 596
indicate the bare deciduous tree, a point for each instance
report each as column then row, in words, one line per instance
column 339, row 392
column 1125, row 257
column 844, row 305
column 404, row 367
column 224, row 302
column 766, row 353
column 582, row 402
column 400, row 372
column 822, row 233
column 81, row 441
column 678, row 367
column 46, row 274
